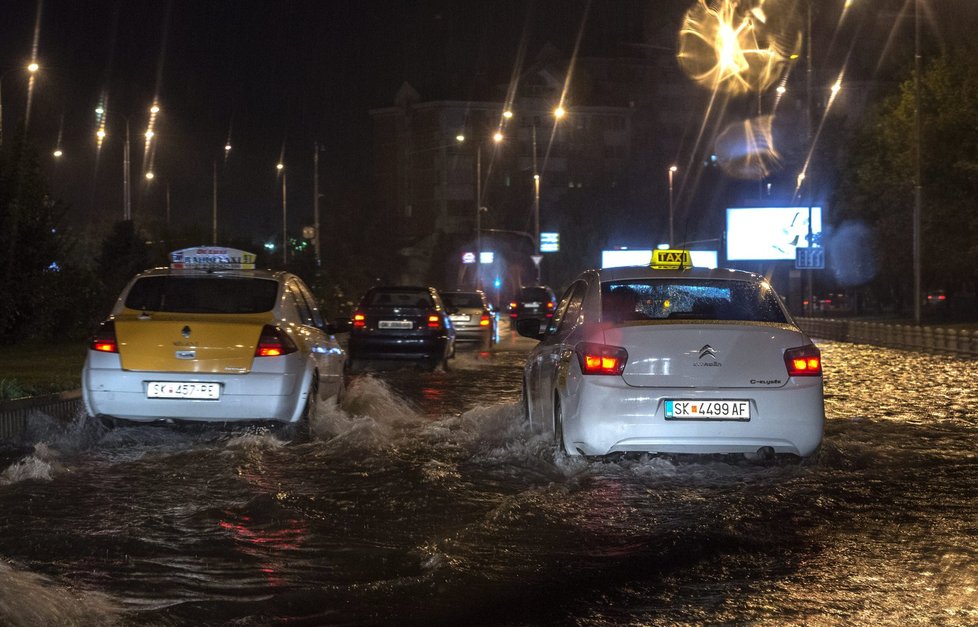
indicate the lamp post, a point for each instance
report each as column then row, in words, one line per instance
column 672, row 171
column 32, row 68
column 285, row 237
column 101, row 135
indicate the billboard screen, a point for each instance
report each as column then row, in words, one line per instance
column 769, row 233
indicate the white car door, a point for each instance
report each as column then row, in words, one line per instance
column 554, row 351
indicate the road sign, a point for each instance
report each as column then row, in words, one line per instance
column 549, row 242
column 809, row 258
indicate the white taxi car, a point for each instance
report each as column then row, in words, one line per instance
column 674, row 360
column 211, row 339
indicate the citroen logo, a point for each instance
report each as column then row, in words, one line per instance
column 186, row 331
column 708, row 350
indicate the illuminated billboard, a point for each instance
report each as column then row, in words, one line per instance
column 769, row 233
column 643, row 257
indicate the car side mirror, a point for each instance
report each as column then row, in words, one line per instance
column 530, row 327
column 339, row 325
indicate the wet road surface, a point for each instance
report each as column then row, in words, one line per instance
column 424, row 499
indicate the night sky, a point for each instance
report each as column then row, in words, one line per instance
column 273, row 76
column 277, row 76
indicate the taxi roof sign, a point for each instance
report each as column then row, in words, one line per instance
column 212, row 257
column 671, row 259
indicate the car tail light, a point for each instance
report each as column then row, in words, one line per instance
column 513, row 306
column 804, row 361
column 274, row 342
column 104, row 340
column 434, row 321
column 484, row 320
column 550, row 309
column 359, row 320
column 601, row 358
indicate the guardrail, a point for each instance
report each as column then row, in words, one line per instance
column 15, row 414
column 935, row 340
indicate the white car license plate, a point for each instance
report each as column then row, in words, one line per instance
column 531, row 305
column 173, row 389
column 707, row 410
column 460, row 317
column 395, row 324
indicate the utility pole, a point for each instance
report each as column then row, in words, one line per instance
column 315, row 200
column 918, row 188
column 478, row 217
column 126, row 195
column 214, row 207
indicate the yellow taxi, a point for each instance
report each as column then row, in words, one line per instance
column 212, row 339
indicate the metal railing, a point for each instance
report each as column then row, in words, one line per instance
column 14, row 415
column 937, row 340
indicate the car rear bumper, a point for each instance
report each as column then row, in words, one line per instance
column 256, row 396
column 398, row 347
column 610, row 416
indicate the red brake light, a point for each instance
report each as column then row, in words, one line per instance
column 484, row 320
column 359, row 320
column 550, row 304
column 274, row 343
column 601, row 358
column 104, row 340
column 804, row 361
column 434, row 321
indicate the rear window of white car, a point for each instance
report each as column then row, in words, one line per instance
column 211, row 294
column 672, row 299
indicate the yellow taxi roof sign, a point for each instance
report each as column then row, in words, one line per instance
column 212, row 257
column 670, row 259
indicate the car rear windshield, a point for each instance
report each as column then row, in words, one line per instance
column 534, row 293
column 398, row 298
column 672, row 299
column 462, row 300
column 212, row 294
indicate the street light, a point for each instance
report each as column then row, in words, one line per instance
column 32, row 68
column 285, row 234
column 101, row 134
column 672, row 170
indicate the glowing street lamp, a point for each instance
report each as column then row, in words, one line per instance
column 560, row 112
column 150, row 176
column 497, row 137
column 32, row 68
column 507, row 114
column 58, row 153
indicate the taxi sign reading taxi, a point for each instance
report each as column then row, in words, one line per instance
column 212, row 257
column 671, row 259
column 809, row 258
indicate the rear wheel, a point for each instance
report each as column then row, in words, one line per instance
column 559, row 426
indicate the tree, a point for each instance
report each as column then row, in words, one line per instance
column 31, row 244
column 878, row 182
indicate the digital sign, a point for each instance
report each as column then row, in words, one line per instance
column 770, row 233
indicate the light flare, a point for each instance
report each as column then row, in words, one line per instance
column 738, row 47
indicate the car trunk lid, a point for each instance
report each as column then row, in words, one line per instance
column 705, row 355
column 210, row 343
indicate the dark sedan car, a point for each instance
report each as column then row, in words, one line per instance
column 401, row 323
column 533, row 302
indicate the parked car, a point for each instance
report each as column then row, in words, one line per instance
column 685, row 360
column 472, row 316
column 401, row 323
column 535, row 302
column 211, row 339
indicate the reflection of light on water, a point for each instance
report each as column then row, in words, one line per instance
column 738, row 47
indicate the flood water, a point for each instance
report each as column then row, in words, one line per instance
column 425, row 500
